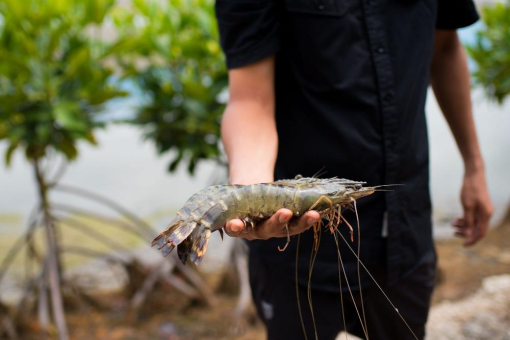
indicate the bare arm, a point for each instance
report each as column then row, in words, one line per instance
column 451, row 84
column 248, row 127
column 251, row 142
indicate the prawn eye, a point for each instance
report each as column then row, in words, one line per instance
column 358, row 186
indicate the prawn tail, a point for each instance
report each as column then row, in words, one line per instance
column 200, row 245
column 184, row 249
column 173, row 235
column 195, row 245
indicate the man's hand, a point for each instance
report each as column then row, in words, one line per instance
column 477, row 207
column 273, row 226
column 451, row 83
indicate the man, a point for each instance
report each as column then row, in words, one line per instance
column 341, row 85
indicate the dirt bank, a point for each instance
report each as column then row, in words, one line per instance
column 171, row 317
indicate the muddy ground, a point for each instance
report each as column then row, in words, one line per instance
column 173, row 317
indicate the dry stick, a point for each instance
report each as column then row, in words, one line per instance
column 297, row 288
column 347, row 282
column 86, row 230
column 181, row 285
column 147, row 285
column 140, row 296
column 32, row 254
column 107, row 257
column 60, row 172
column 43, row 307
column 359, row 275
column 53, row 270
column 54, row 281
column 28, row 289
column 111, row 204
column 191, row 275
column 117, row 223
column 18, row 245
column 378, row 286
column 91, row 253
column 162, row 270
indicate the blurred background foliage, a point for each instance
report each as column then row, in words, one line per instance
column 52, row 75
column 491, row 51
column 61, row 61
column 171, row 51
column 58, row 65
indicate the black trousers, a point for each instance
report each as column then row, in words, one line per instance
column 276, row 301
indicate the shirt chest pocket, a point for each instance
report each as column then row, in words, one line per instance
column 334, row 8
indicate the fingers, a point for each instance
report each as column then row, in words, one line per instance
column 304, row 222
column 460, row 227
column 480, row 225
column 273, row 226
column 477, row 206
column 474, row 225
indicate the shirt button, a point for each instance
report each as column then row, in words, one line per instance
column 388, row 97
column 380, row 50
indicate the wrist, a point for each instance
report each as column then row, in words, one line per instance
column 249, row 177
column 474, row 165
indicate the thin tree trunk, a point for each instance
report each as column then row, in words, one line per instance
column 54, row 276
column 43, row 305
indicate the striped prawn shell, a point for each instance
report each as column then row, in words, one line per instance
column 189, row 231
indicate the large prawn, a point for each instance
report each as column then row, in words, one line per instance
column 209, row 210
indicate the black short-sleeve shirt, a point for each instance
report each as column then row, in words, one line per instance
column 351, row 80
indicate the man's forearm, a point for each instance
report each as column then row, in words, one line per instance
column 248, row 127
column 451, row 83
column 250, row 140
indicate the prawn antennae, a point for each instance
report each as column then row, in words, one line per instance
column 319, row 173
column 359, row 276
column 288, row 238
column 387, row 185
column 313, row 256
column 378, row 286
column 347, row 282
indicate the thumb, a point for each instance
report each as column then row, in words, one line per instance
column 234, row 226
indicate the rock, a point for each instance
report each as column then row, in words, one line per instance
column 483, row 315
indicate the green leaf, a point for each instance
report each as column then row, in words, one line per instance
column 54, row 73
column 491, row 52
column 68, row 115
column 8, row 154
column 68, row 148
